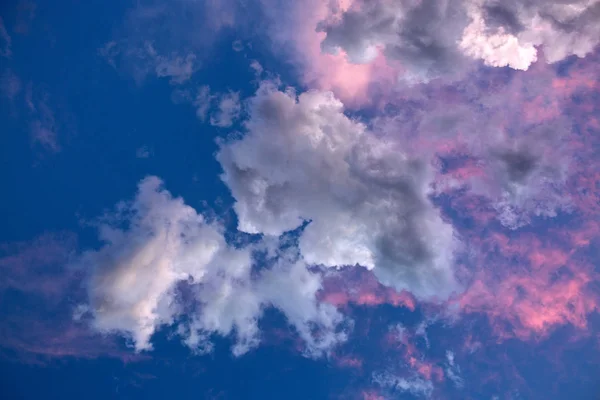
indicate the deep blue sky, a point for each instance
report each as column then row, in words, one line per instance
column 111, row 130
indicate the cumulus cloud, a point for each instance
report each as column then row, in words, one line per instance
column 365, row 202
column 156, row 243
column 430, row 38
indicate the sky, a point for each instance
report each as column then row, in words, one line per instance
column 317, row 199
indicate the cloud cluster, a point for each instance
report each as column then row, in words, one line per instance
column 432, row 38
column 422, row 35
column 364, row 201
column 156, row 243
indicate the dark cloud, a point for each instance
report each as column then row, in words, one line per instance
column 519, row 164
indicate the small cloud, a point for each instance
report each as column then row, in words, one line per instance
column 5, row 41
column 179, row 69
column 414, row 385
column 143, row 152
column 453, row 370
column 10, row 85
column 202, row 102
column 43, row 127
column 258, row 69
column 228, row 111
column 237, row 46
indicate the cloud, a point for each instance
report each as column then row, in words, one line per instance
column 419, row 34
column 511, row 147
column 221, row 109
column 38, row 291
column 143, row 152
column 167, row 39
column 131, row 288
column 202, row 102
column 453, row 370
column 537, row 285
column 291, row 30
column 156, row 243
column 228, row 110
column 433, row 38
column 6, row 44
column 44, row 126
column 364, row 200
column 178, row 67
column 10, row 85
column 416, row 386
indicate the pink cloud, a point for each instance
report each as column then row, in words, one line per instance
column 405, row 348
column 360, row 287
column 350, row 82
column 529, row 287
column 371, row 395
column 347, row 361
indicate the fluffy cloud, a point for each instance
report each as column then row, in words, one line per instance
column 430, row 38
column 366, row 202
column 156, row 243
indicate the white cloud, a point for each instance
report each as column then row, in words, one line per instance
column 156, row 242
column 496, row 49
column 453, row 370
column 302, row 159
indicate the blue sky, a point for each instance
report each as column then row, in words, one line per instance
column 327, row 200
